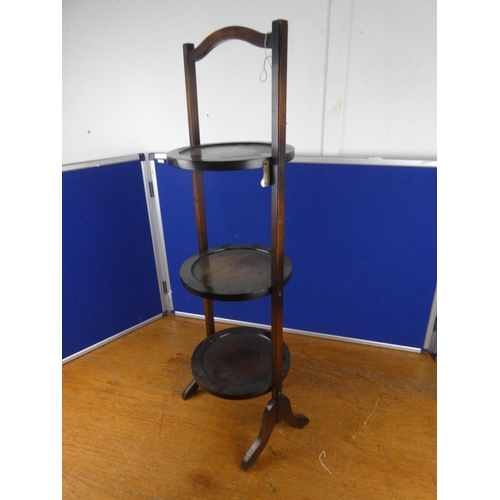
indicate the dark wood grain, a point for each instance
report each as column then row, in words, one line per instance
column 279, row 72
column 198, row 185
column 235, row 363
column 230, row 33
column 225, row 156
column 231, row 272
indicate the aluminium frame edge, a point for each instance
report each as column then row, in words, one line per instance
column 369, row 161
column 430, row 341
column 101, row 163
column 116, row 336
column 156, row 227
column 306, row 333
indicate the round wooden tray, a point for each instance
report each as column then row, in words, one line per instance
column 236, row 363
column 224, row 156
column 231, row 272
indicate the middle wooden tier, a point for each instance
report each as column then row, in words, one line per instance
column 231, row 272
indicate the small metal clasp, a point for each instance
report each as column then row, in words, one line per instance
column 266, row 177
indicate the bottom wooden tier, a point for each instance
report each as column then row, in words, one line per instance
column 236, row 363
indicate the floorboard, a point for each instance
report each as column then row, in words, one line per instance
column 127, row 433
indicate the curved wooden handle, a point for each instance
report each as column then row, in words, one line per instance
column 230, row 33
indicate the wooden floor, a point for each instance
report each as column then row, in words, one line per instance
column 127, row 433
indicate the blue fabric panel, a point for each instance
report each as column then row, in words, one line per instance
column 362, row 240
column 109, row 273
column 363, row 243
column 238, row 211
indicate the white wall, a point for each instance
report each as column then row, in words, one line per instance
column 391, row 80
column 123, row 82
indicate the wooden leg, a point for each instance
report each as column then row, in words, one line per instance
column 268, row 422
column 286, row 413
column 190, row 390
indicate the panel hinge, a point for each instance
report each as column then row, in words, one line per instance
column 165, row 288
column 151, row 190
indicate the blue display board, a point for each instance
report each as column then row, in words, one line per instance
column 110, row 282
column 362, row 240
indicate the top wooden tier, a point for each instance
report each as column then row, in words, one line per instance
column 225, row 156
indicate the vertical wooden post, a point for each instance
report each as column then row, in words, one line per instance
column 198, row 187
column 279, row 44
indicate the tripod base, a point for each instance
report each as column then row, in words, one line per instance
column 274, row 412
